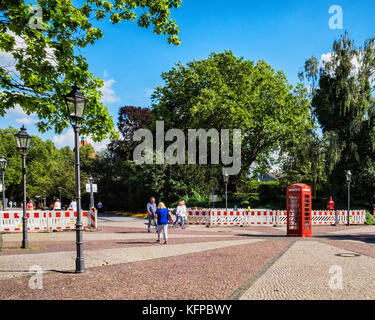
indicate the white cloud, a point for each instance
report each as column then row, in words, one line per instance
column 99, row 146
column 8, row 62
column 64, row 140
column 149, row 92
column 356, row 60
column 356, row 63
column 25, row 120
column 109, row 95
column 17, row 110
column 325, row 57
column 67, row 139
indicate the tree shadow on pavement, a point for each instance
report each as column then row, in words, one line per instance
column 365, row 238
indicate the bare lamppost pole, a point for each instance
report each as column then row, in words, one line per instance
column 60, row 189
column 3, row 168
column 23, row 142
column 226, row 180
column 92, row 205
column 76, row 104
column 348, row 180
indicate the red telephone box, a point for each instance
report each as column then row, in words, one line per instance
column 298, row 206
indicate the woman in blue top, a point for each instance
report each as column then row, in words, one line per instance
column 162, row 216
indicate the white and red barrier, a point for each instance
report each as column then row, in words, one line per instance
column 222, row 217
column 198, row 217
column 266, row 217
column 11, row 221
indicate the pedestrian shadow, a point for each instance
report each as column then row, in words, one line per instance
column 262, row 235
column 33, row 272
column 365, row 238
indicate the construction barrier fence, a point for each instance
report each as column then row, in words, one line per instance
column 266, row 217
column 11, row 221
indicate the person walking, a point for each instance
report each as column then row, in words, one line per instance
column 162, row 216
column 73, row 205
column 57, row 205
column 183, row 213
column 100, row 206
column 151, row 210
column 30, row 205
column 179, row 215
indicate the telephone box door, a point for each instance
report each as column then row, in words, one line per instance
column 299, row 210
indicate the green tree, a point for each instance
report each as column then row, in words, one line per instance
column 47, row 169
column 344, row 106
column 224, row 91
column 305, row 162
column 47, row 59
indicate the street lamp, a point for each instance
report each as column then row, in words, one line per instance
column 44, row 200
column 3, row 168
column 23, row 143
column 76, row 103
column 348, row 180
column 60, row 190
column 226, row 180
column 38, row 201
column 92, row 205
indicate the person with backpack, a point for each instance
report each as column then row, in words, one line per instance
column 162, row 217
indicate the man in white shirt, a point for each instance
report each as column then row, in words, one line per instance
column 73, row 205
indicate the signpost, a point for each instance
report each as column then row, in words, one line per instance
column 94, row 188
column 213, row 198
column 90, row 187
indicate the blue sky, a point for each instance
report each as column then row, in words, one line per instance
column 283, row 33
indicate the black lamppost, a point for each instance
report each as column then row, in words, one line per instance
column 348, row 180
column 38, row 201
column 3, row 168
column 92, row 205
column 44, row 200
column 60, row 189
column 76, row 104
column 226, row 180
column 23, row 142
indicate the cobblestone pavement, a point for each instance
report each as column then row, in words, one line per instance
column 212, row 274
column 303, row 272
column 123, row 261
column 65, row 261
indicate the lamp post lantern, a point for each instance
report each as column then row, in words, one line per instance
column 76, row 103
column 23, row 143
column 3, row 168
column 226, row 180
column 348, row 180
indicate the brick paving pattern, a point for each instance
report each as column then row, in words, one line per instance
column 123, row 261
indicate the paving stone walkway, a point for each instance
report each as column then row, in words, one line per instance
column 305, row 270
column 249, row 263
column 12, row 266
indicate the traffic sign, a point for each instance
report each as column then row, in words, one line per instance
column 213, row 198
column 94, row 188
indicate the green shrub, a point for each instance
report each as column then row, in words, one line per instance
column 369, row 218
